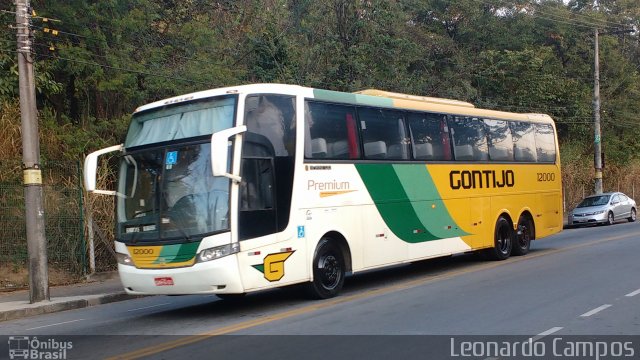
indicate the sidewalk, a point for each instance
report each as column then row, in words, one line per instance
column 99, row 290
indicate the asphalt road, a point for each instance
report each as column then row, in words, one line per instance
column 580, row 282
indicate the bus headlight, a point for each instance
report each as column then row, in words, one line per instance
column 218, row 252
column 124, row 259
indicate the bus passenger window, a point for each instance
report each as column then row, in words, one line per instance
column 500, row 142
column 545, row 143
column 429, row 136
column 524, row 143
column 469, row 140
column 330, row 132
column 383, row 134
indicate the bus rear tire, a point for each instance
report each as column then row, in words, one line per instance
column 502, row 241
column 524, row 235
column 328, row 270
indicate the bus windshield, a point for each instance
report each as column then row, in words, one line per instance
column 166, row 189
column 169, row 193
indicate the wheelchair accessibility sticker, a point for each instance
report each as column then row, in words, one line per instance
column 300, row 232
column 172, row 158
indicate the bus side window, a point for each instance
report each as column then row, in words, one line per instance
column 524, row 144
column 500, row 141
column 273, row 116
column 330, row 131
column 257, row 184
column 545, row 143
column 469, row 139
column 429, row 136
column 383, row 134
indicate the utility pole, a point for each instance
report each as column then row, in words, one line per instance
column 597, row 141
column 34, row 209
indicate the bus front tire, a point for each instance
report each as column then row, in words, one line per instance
column 503, row 241
column 328, row 271
column 524, row 235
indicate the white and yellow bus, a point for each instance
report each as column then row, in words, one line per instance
column 245, row 188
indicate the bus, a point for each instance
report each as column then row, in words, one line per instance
column 239, row 189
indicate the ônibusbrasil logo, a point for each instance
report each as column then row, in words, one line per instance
column 32, row 348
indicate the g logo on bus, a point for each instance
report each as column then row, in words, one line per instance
column 143, row 251
column 273, row 265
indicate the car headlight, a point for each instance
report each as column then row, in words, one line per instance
column 124, row 259
column 218, row 252
column 598, row 212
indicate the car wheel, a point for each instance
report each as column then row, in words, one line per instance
column 610, row 218
column 632, row 218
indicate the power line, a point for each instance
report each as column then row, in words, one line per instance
column 578, row 20
column 115, row 68
column 125, row 69
column 586, row 17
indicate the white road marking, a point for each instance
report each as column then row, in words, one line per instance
column 596, row 310
column 545, row 333
column 148, row 307
column 60, row 323
column 633, row 293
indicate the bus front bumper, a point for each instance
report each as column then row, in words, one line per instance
column 220, row 276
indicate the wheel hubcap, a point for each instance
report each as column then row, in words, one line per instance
column 523, row 235
column 330, row 271
column 503, row 240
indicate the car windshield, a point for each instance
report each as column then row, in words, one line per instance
column 594, row 201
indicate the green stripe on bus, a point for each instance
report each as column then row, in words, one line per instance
column 178, row 252
column 391, row 200
column 425, row 199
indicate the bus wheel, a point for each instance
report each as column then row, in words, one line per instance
column 503, row 240
column 328, row 271
column 524, row 236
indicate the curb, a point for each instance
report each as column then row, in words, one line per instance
column 63, row 305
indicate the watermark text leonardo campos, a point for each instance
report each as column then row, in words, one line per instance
column 558, row 347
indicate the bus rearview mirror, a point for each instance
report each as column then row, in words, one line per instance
column 220, row 151
column 91, row 169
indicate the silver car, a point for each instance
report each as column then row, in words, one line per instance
column 603, row 209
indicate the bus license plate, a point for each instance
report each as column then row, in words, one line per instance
column 164, row 281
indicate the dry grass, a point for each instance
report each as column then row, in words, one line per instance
column 15, row 277
column 578, row 178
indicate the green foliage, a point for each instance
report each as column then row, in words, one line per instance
column 511, row 55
